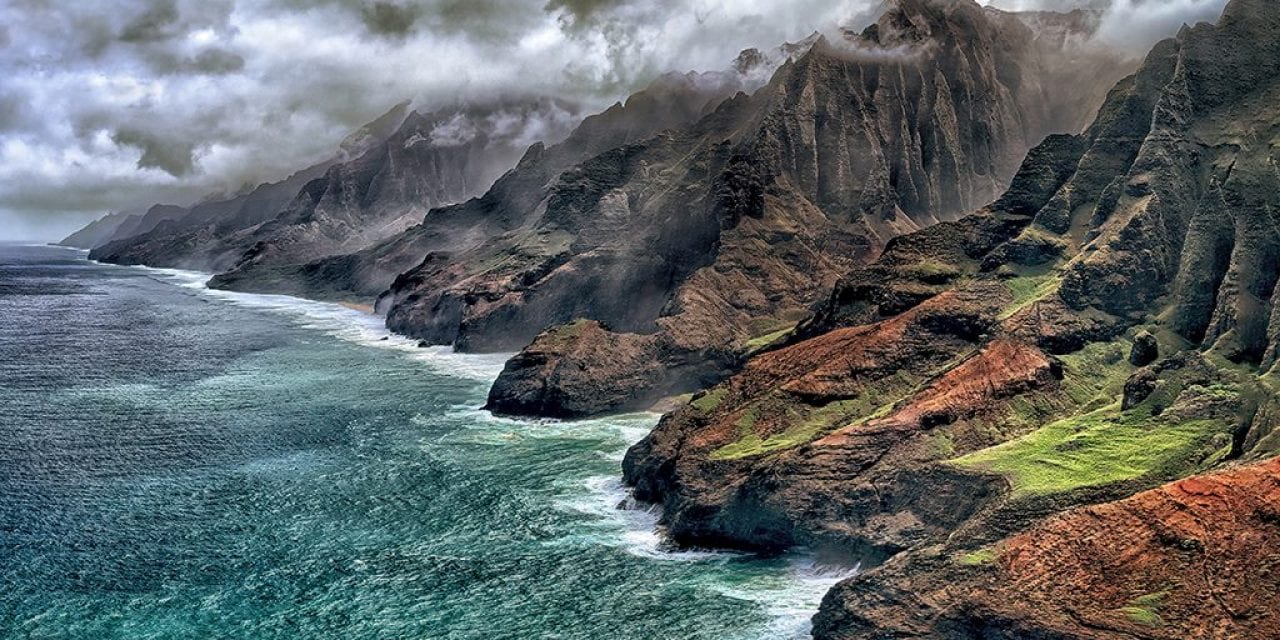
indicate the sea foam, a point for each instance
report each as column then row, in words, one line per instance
column 789, row 597
column 345, row 323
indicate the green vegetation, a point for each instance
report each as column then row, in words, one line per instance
column 942, row 445
column 1183, row 425
column 801, row 431
column 710, row 400
column 1028, row 290
column 1098, row 449
column 979, row 558
column 1101, row 444
column 804, row 425
column 756, row 344
column 566, row 333
column 933, row 272
column 1093, row 378
column 1145, row 610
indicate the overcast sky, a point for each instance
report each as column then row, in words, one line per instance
column 108, row 105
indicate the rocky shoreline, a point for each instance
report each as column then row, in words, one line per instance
column 970, row 397
column 1051, row 352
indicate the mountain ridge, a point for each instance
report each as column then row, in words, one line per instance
column 1101, row 329
column 850, row 145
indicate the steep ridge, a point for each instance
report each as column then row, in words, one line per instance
column 100, row 231
column 702, row 246
column 673, row 100
column 212, row 234
column 206, row 237
column 1193, row 559
column 431, row 160
column 1104, row 327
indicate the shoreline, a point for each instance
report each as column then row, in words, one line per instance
column 790, row 602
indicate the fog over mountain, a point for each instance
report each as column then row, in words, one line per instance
column 111, row 106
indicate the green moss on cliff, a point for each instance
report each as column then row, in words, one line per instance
column 1094, row 376
column 1098, row 449
column 1103, row 445
column 566, row 333
column 933, row 272
column 979, row 558
column 804, row 425
column 1179, row 428
column 1092, row 379
column 1028, row 290
column 710, row 400
column 801, row 431
column 1145, row 610
column 758, row 343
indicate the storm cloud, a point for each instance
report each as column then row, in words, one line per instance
column 115, row 105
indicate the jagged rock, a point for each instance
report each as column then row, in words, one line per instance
column 100, row 231
column 1145, row 350
column 1193, row 559
column 213, row 234
column 535, row 376
column 719, row 239
column 672, row 101
column 431, row 160
column 209, row 236
column 955, row 392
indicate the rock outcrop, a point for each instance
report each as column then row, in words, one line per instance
column 209, row 236
column 982, row 374
column 709, row 244
column 1192, row 559
column 431, row 160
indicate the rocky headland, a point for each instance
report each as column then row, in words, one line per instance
column 1105, row 327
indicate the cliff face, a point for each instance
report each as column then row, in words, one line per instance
column 100, row 231
column 206, row 237
column 1102, row 328
column 213, row 234
column 430, row 160
column 707, row 244
column 1193, row 559
column 671, row 101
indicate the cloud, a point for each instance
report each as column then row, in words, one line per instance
column 1130, row 25
column 1137, row 24
column 389, row 18
column 215, row 61
column 175, row 158
column 158, row 22
column 108, row 106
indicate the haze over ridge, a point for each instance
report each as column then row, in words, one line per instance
column 108, row 108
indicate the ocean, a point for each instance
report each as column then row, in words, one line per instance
column 177, row 462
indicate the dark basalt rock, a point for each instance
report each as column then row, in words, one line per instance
column 1145, row 350
column 713, row 241
column 214, row 234
column 857, row 432
column 447, row 233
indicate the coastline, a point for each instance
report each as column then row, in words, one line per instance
column 791, row 598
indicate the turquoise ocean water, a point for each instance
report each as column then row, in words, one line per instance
column 183, row 463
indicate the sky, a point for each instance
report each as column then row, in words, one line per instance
column 117, row 104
